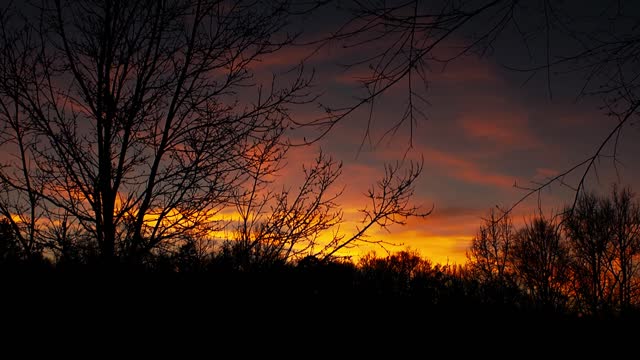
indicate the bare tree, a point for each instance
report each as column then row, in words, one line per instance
column 490, row 252
column 603, row 238
column 134, row 123
column 588, row 232
column 541, row 261
column 490, row 260
column 626, row 247
column 20, row 195
column 9, row 250
column 286, row 224
column 390, row 203
column 130, row 112
column 289, row 224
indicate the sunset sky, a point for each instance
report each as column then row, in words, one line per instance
column 486, row 129
column 483, row 130
column 463, row 164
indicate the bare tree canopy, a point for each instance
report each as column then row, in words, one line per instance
column 491, row 249
column 133, row 124
column 584, row 261
column 605, row 241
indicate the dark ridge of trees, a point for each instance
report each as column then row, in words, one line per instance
column 403, row 298
column 581, row 264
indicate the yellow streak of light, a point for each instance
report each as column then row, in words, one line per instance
column 440, row 249
column 437, row 248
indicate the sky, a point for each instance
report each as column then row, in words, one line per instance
column 486, row 129
column 487, row 132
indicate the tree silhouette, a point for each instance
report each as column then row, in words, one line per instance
column 489, row 258
column 589, row 234
column 285, row 226
column 582, row 262
column 541, row 260
column 133, row 124
column 603, row 237
column 9, row 251
column 126, row 110
column 491, row 249
column 626, row 247
column 398, row 274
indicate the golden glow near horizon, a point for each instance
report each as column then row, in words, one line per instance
column 444, row 250
column 440, row 249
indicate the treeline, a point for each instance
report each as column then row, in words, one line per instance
column 580, row 263
column 584, row 260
